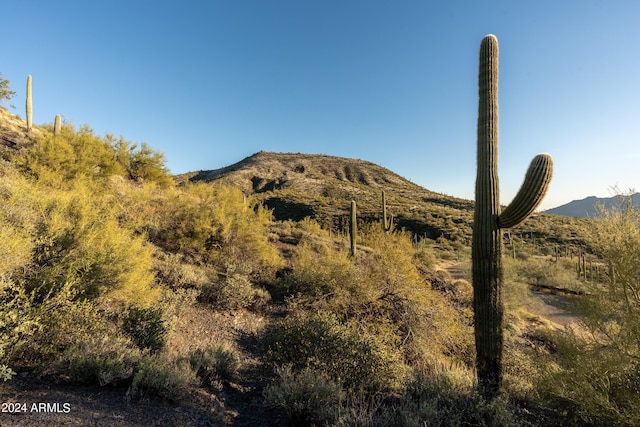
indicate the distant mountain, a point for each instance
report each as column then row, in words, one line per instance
column 587, row 208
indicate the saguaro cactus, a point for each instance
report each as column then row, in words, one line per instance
column 489, row 221
column 353, row 228
column 56, row 125
column 29, row 105
column 387, row 223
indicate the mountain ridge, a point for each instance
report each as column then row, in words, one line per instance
column 588, row 207
column 320, row 186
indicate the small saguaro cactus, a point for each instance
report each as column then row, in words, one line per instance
column 56, row 125
column 29, row 105
column 387, row 222
column 353, row 228
column 489, row 220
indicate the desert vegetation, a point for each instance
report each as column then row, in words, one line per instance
column 115, row 274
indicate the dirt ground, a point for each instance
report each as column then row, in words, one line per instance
column 34, row 402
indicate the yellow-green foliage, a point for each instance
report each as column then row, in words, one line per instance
column 594, row 374
column 321, row 273
column 61, row 236
column 206, row 222
column 341, row 351
column 81, row 153
column 384, row 292
column 430, row 327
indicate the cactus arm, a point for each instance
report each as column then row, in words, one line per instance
column 531, row 193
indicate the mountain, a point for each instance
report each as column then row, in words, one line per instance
column 588, row 208
column 296, row 185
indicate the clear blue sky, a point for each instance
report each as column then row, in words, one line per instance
column 393, row 82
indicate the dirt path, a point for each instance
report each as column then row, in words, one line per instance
column 457, row 270
column 557, row 309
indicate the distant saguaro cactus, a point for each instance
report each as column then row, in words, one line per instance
column 29, row 105
column 387, row 223
column 353, row 228
column 56, row 125
column 489, row 221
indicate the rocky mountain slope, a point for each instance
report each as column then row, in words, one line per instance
column 299, row 185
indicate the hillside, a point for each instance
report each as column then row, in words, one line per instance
column 318, row 186
column 192, row 304
column 588, row 207
column 13, row 130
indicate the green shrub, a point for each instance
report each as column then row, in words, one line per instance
column 443, row 400
column 321, row 342
column 594, row 373
column 19, row 322
column 173, row 272
column 163, row 376
column 146, row 327
column 72, row 235
column 235, row 291
column 215, row 364
column 318, row 274
column 206, row 223
column 308, row 396
column 108, row 359
column 81, row 154
column 590, row 383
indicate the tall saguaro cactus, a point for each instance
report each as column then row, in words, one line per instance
column 29, row 105
column 56, row 125
column 387, row 222
column 489, row 221
column 353, row 228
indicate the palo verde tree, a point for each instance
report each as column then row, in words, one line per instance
column 489, row 221
column 6, row 94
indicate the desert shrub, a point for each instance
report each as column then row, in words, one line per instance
column 174, row 272
column 307, row 395
column 6, row 373
column 18, row 323
column 430, row 326
column 162, row 376
column 49, row 325
column 319, row 273
column 235, row 290
column 81, row 154
column 424, row 259
column 72, row 235
column 60, row 330
column 445, row 399
column 81, row 241
column 146, row 327
column 321, row 342
column 215, row 364
column 210, row 223
column 590, row 383
column 109, row 359
column 145, row 164
column 72, row 154
column 595, row 373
